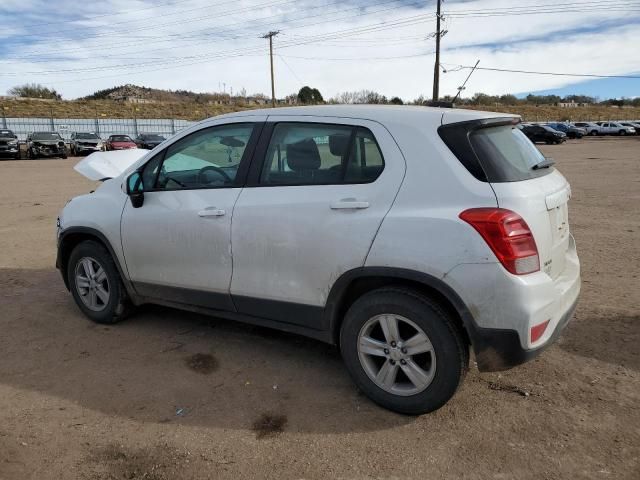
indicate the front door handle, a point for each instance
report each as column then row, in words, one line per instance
column 349, row 204
column 211, row 212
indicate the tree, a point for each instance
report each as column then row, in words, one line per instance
column 34, row 90
column 396, row 101
column 309, row 95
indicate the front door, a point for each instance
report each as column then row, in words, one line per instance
column 177, row 246
column 310, row 212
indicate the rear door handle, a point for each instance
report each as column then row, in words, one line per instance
column 211, row 212
column 349, row 204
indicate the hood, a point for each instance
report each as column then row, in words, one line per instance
column 105, row 165
column 122, row 143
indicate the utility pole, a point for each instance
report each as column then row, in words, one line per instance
column 436, row 69
column 270, row 36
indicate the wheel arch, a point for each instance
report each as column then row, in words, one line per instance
column 72, row 237
column 354, row 283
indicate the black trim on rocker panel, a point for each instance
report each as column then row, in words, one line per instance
column 185, row 296
column 306, row 316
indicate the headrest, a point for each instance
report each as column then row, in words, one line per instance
column 338, row 144
column 303, row 155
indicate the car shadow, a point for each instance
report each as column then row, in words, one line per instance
column 164, row 365
column 609, row 338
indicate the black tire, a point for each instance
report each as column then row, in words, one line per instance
column 451, row 350
column 593, row 133
column 622, row 133
column 64, row 157
column 118, row 306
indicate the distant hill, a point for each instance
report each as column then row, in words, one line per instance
column 137, row 94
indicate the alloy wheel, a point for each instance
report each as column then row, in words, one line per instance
column 396, row 354
column 92, row 284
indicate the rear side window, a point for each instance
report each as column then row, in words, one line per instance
column 500, row 153
column 321, row 154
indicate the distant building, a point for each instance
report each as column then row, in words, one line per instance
column 571, row 104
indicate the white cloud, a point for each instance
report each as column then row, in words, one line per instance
column 189, row 34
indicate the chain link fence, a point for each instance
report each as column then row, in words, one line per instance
column 103, row 127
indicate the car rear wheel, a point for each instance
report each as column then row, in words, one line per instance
column 593, row 133
column 95, row 283
column 622, row 133
column 403, row 350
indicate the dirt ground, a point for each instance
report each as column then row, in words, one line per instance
column 168, row 395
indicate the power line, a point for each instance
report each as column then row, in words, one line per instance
column 124, row 12
column 177, row 62
column 557, row 74
column 197, row 35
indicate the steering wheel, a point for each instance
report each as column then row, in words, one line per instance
column 203, row 180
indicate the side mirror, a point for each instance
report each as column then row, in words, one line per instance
column 135, row 189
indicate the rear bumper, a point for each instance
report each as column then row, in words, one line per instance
column 498, row 349
column 505, row 307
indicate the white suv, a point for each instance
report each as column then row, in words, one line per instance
column 404, row 235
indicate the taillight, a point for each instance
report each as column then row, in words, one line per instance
column 508, row 235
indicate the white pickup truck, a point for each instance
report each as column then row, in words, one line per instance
column 606, row 128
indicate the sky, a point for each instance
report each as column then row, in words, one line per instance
column 333, row 45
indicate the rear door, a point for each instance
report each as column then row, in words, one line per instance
column 318, row 191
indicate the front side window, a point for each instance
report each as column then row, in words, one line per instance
column 209, row 158
column 321, row 154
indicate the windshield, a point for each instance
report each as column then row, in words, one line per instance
column 153, row 138
column 506, row 154
column 46, row 136
column 120, row 138
column 87, row 136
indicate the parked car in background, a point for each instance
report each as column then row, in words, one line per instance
column 568, row 129
column 120, row 142
column 542, row 133
column 590, row 127
column 45, row 144
column 615, row 128
column 149, row 140
column 634, row 125
column 82, row 142
column 9, row 146
column 404, row 236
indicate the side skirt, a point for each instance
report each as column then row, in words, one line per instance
column 321, row 335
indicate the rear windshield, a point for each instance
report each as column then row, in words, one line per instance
column 494, row 154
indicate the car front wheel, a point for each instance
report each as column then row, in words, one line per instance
column 403, row 350
column 95, row 283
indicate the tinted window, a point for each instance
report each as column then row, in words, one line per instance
column 208, row 158
column 506, row 154
column 120, row 138
column 366, row 162
column 316, row 154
